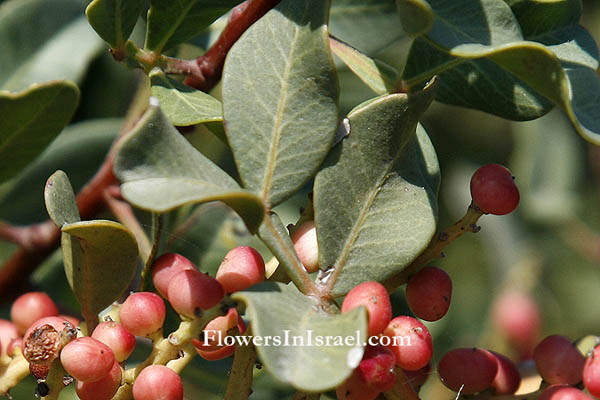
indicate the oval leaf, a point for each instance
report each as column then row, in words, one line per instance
column 59, row 48
column 173, row 22
column 384, row 180
column 278, row 310
column 182, row 104
column 31, row 120
column 280, row 110
column 160, row 170
column 60, row 200
column 114, row 20
column 100, row 260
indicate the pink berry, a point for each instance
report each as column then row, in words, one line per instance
column 72, row 320
column 376, row 368
column 30, row 307
column 213, row 348
column 120, row 340
column 563, row 392
column 8, row 332
column 558, row 360
column 103, row 389
column 473, row 370
column 517, row 316
column 493, row 190
column 190, row 292
column 87, row 359
column 410, row 341
column 157, row 382
column 57, row 323
column 12, row 345
column 507, row 379
column 428, row 293
column 142, row 313
column 375, row 298
column 306, row 246
column 591, row 372
column 165, row 267
column 241, row 268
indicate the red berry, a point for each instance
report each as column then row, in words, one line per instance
column 591, row 372
column 120, row 340
column 517, row 316
column 474, row 368
column 215, row 334
column 375, row 298
column 190, row 292
column 354, row 388
column 558, row 360
column 507, row 379
column 241, row 268
column 157, row 382
column 306, row 246
column 103, row 389
column 87, row 359
column 428, row 293
column 410, row 341
column 30, row 307
column 8, row 332
column 142, row 313
column 563, row 392
column 493, row 190
column 165, row 267
column 376, row 368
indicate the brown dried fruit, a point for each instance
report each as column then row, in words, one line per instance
column 42, row 346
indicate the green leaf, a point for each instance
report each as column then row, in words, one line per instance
column 58, row 42
column 277, row 310
column 280, row 110
column 31, row 120
column 468, row 40
column 379, row 76
column 382, row 181
column 182, row 104
column 160, row 171
column 416, row 16
column 114, row 20
column 173, row 22
column 541, row 16
column 100, row 260
column 368, row 25
column 60, row 200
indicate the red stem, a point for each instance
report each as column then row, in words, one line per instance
column 211, row 63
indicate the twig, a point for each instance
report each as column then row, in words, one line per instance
column 211, row 63
column 468, row 223
column 157, row 231
column 239, row 386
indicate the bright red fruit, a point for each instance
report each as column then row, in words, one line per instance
column 103, row 389
column 493, row 190
column 591, row 372
column 165, row 267
column 306, row 246
column 558, row 360
column 241, row 268
column 157, row 382
column 472, row 367
column 507, row 379
column 410, row 341
column 563, row 392
column 376, row 299
column 190, row 292
column 30, row 307
column 142, row 313
column 354, row 388
column 120, row 340
column 87, row 359
column 428, row 293
column 376, row 368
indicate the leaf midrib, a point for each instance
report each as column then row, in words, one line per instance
column 272, row 160
column 175, row 26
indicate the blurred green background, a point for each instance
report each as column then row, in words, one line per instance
column 549, row 247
